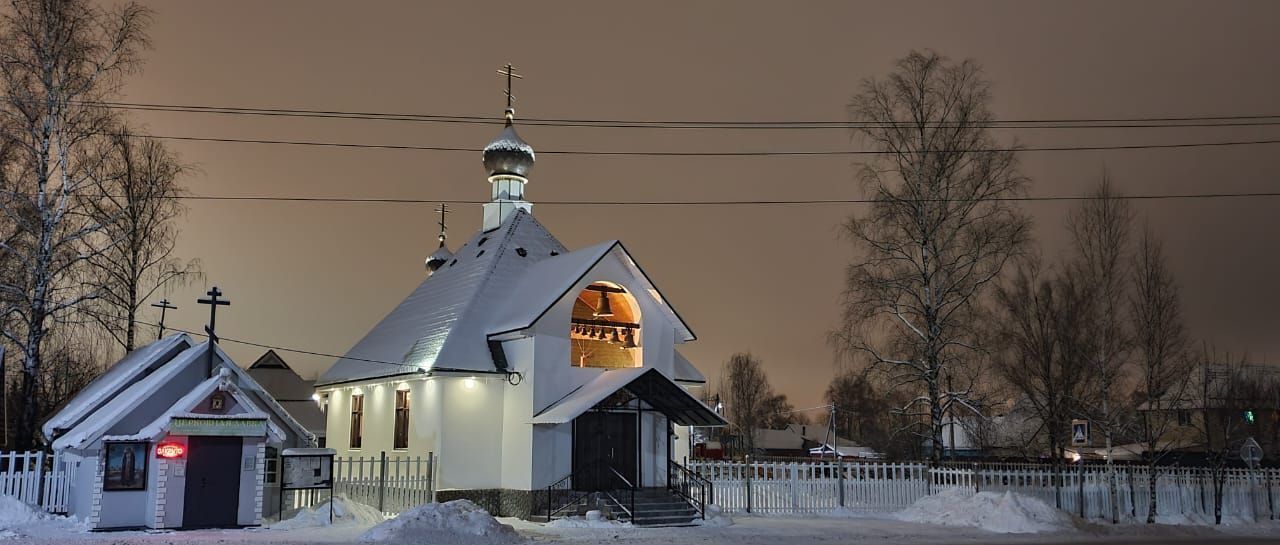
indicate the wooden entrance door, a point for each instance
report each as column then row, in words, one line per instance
column 212, row 497
column 604, row 440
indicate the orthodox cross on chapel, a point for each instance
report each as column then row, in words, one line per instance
column 510, row 72
column 214, row 302
column 163, row 305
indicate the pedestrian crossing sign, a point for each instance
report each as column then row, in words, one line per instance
column 1079, row 433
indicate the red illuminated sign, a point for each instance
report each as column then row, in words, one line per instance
column 170, row 450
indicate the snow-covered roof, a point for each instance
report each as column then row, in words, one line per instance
column 134, row 366
column 658, row 390
column 551, row 279
column 95, row 424
column 442, row 324
column 685, row 371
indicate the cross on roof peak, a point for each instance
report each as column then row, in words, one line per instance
column 443, row 208
column 510, row 72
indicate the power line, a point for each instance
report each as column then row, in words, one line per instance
column 272, row 347
column 407, row 147
column 1050, row 123
column 389, row 200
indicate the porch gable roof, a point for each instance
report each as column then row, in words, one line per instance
column 647, row 384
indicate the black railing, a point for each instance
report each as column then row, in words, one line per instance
column 560, row 495
column 694, row 488
column 623, row 489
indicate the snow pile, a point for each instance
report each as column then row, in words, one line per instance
column 345, row 513
column 458, row 522
column 15, row 513
column 1006, row 513
column 715, row 517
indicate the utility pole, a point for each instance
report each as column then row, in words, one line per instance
column 163, row 305
column 214, row 302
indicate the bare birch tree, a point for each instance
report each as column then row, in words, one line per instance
column 938, row 232
column 137, row 205
column 1164, row 369
column 1045, row 342
column 58, row 60
column 746, row 393
column 1100, row 231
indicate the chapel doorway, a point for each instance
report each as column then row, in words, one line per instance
column 604, row 449
column 212, row 496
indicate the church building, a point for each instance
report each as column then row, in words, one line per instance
column 523, row 365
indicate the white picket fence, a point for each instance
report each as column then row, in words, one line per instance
column 37, row 479
column 809, row 487
column 390, row 483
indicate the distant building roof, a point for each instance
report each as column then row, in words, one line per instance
column 290, row 390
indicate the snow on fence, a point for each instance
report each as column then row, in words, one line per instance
column 808, row 487
column 36, row 478
column 391, row 484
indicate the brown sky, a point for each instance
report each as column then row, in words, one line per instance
column 758, row 278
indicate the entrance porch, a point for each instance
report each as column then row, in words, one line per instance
column 622, row 435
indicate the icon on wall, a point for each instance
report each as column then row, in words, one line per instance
column 126, row 466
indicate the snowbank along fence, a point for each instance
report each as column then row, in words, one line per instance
column 391, row 484
column 811, row 487
column 35, row 478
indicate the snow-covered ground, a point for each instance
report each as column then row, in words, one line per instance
column 961, row 519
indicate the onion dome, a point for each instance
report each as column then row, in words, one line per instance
column 438, row 258
column 508, row 153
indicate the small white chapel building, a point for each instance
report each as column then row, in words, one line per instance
column 522, row 364
column 174, row 435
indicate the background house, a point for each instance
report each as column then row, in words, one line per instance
column 296, row 394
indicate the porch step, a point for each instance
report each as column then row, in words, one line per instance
column 655, row 507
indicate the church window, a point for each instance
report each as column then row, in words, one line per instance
column 402, row 420
column 522, row 252
column 605, row 328
column 357, row 420
column 480, row 254
column 482, row 241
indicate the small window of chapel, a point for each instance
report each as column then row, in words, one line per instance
column 605, row 328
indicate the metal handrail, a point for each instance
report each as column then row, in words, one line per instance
column 630, row 508
column 682, row 481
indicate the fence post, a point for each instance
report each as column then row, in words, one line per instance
column 750, row 470
column 431, row 476
column 840, row 478
column 382, row 483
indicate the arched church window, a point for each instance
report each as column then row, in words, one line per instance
column 605, row 328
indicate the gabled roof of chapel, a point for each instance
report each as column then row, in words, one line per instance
column 442, row 325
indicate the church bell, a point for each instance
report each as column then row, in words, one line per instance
column 604, row 309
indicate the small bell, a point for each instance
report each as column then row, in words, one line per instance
column 613, row 339
column 629, row 340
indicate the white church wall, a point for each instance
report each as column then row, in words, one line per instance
column 517, row 448
column 552, row 453
column 471, row 435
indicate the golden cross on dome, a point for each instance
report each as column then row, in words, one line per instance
column 510, row 72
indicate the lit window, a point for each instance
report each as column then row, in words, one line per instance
column 1184, row 418
column 402, row 420
column 357, row 420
